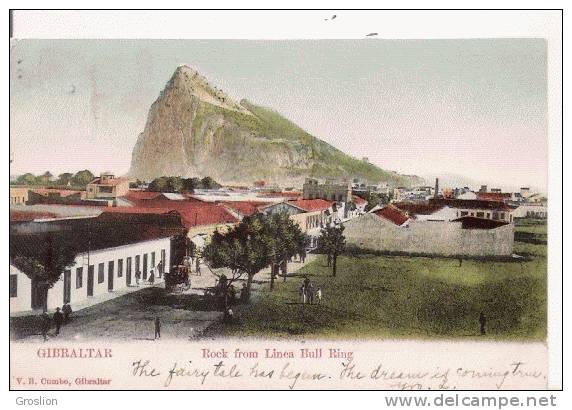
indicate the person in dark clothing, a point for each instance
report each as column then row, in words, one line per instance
column 329, row 260
column 46, row 322
column 198, row 267
column 160, row 269
column 306, row 282
column 67, row 311
column 157, row 327
column 243, row 293
column 483, row 323
column 152, row 277
column 232, row 294
column 58, row 320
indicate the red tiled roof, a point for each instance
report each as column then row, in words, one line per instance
column 25, row 216
column 245, row 208
column 493, row 196
column 393, row 214
column 142, row 195
column 103, row 232
column 192, row 213
column 414, row 208
column 310, row 205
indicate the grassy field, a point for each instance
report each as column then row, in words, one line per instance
column 407, row 297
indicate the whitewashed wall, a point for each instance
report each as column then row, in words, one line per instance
column 427, row 237
column 23, row 300
column 79, row 295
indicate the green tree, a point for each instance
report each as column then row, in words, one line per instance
column 46, row 177
column 45, row 261
column 190, row 184
column 27, row 179
column 284, row 239
column 333, row 242
column 209, row 183
column 82, row 178
column 243, row 250
column 65, row 178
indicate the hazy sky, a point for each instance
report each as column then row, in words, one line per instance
column 475, row 108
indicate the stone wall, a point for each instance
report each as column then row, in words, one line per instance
column 428, row 237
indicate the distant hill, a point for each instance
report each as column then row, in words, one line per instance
column 193, row 129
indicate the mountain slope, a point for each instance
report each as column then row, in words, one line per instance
column 194, row 129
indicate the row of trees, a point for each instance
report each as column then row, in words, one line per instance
column 257, row 242
column 260, row 241
column 79, row 179
column 178, row 184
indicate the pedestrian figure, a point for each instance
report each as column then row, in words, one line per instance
column 306, row 281
column 303, row 257
column 160, row 269
column 303, row 294
column 198, row 267
column 67, row 311
column 46, row 322
column 319, row 295
column 58, row 320
column 243, row 293
column 137, row 277
column 157, row 327
column 152, row 277
column 329, row 260
column 483, row 323
column 232, row 294
column 310, row 293
column 229, row 315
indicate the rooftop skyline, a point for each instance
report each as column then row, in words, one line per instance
column 474, row 108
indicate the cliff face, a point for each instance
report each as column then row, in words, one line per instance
column 194, row 129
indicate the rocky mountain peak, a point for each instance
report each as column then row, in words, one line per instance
column 187, row 81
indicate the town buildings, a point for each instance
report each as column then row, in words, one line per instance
column 394, row 230
column 18, row 195
column 109, row 250
column 107, row 186
column 330, row 191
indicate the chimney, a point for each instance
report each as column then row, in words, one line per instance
column 436, row 188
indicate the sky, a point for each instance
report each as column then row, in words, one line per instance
column 470, row 108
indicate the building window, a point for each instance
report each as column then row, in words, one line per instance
column 488, row 215
column 104, row 189
column 100, row 273
column 502, row 215
column 78, row 278
column 464, row 213
column 119, row 268
column 495, row 216
column 480, row 214
column 152, row 259
column 13, row 286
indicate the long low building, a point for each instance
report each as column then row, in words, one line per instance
column 109, row 251
column 394, row 230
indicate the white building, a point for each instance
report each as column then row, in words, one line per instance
column 108, row 256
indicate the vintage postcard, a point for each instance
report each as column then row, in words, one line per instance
column 365, row 210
